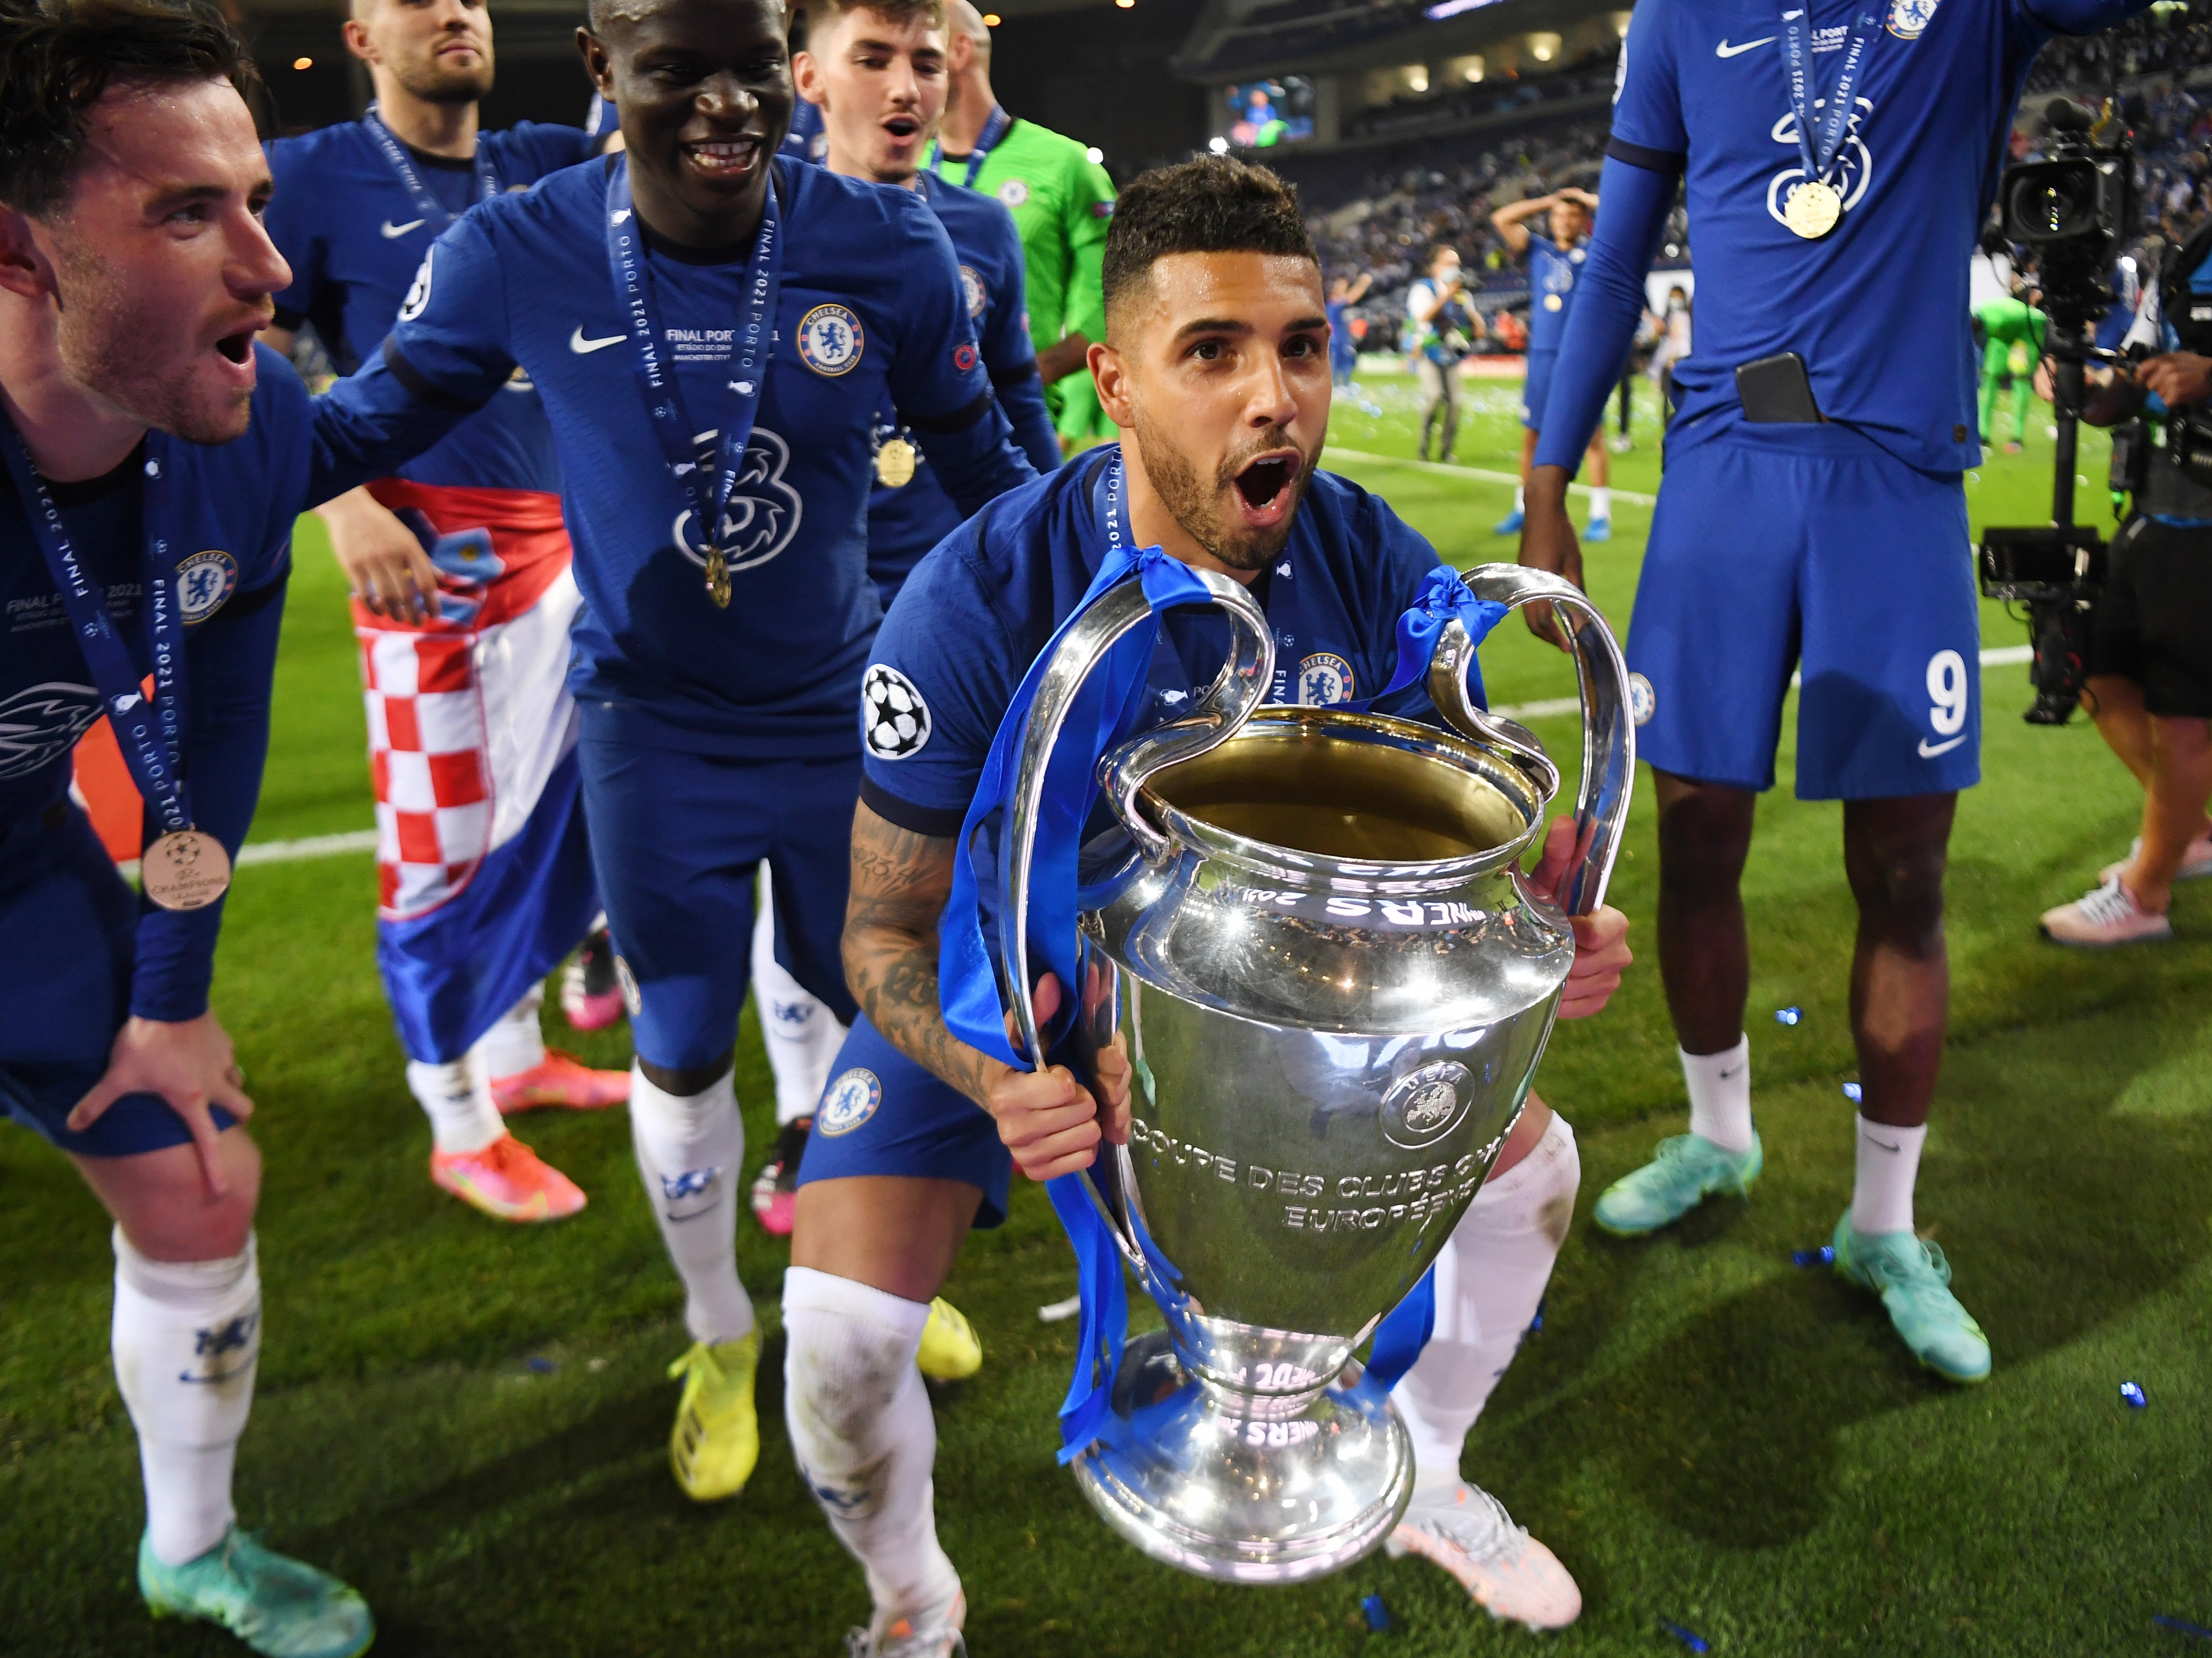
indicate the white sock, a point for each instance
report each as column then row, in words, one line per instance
column 1888, row 1165
column 1600, row 501
column 187, row 1336
column 860, row 1425
column 1719, row 1095
column 802, row 1036
column 458, row 1101
column 1490, row 1280
column 1520, row 498
column 516, row 1043
column 691, row 1151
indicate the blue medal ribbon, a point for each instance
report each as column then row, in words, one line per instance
column 428, row 207
column 994, row 129
column 709, row 479
column 1796, row 55
column 150, row 734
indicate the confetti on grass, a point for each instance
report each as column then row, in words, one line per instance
column 2182, row 1626
column 1823, row 1256
column 1689, row 1638
column 1853, row 1092
column 1055, row 1311
column 1378, row 1615
column 1787, row 1015
column 2133, row 1392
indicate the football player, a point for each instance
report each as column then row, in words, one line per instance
column 877, row 76
column 462, row 599
column 1062, row 201
column 712, row 329
column 1215, row 366
column 1811, row 519
column 1552, row 261
column 155, row 460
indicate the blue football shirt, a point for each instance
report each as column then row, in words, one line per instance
column 983, row 603
column 355, row 239
column 234, row 505
column 1878, row 307
column 1551, row 289
column 525, row 281
column 905, row 522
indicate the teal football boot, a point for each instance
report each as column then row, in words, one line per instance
column 1686, row 1170
column 280, row 1607
column 1914, row 1282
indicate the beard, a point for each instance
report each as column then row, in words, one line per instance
column 116, row 346
column 433, row 83
column 1196, row 503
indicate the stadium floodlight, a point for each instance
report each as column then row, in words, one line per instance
column 1218, row 146
column 1443, row 8
column 1094, row 155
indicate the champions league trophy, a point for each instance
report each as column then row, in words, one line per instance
column 1334, row 987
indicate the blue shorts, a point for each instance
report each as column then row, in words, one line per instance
column 676, row 840
column 63, row 906
column 1780, row 547
column 1537, row 388
column 884, row 1115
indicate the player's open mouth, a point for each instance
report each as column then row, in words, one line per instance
column 724, row 159
column 1265, row 488
column 236, row 349
column 901, row 128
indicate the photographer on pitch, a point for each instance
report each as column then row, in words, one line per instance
column 2149, row 683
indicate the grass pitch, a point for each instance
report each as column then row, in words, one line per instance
column 468, row 1421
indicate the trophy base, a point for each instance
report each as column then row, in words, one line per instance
column 1181, row 1473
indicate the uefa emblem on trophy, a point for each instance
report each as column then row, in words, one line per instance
column 1334, row 987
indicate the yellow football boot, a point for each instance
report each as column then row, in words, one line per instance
column 950, row 1350
column 717, row 1436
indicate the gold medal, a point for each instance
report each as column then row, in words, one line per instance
column 185, row 869
column 718, row 579
column 895, row 463
column 1812, row 209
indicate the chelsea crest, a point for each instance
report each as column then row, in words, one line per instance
column 1909, row 19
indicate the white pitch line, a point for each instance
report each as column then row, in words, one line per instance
column 1476, row 472
column 335, row 846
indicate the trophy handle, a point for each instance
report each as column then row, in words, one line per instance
column 1608, row 732
column 1240, row 688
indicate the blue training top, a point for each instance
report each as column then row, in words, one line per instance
column 1878, row 306
column 525, row 280
column 232, row 550
column 983, row 603
column 1551, row 289
column 355, row 237
column 905, row 522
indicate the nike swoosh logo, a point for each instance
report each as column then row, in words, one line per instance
column 1929, row 751
column 584, row 348
column 1725, row 1075
column 1724, row 50
column 1884, row 1145
column 391, row 230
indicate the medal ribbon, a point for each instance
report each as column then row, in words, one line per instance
column 709, row 479
column 1796, row 55
column 150, row 734
column 994, row 129
column 1106, row 710
column 428, row 206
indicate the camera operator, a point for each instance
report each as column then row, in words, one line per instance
column 1441, row 327
column 2149, row 684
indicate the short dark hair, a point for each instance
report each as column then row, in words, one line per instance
column 58, row 57
column 1214, row 204
column 823, row 15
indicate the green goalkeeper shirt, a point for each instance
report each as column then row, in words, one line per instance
column 1063, row 204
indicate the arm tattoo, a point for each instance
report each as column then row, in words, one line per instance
column 900, row 883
